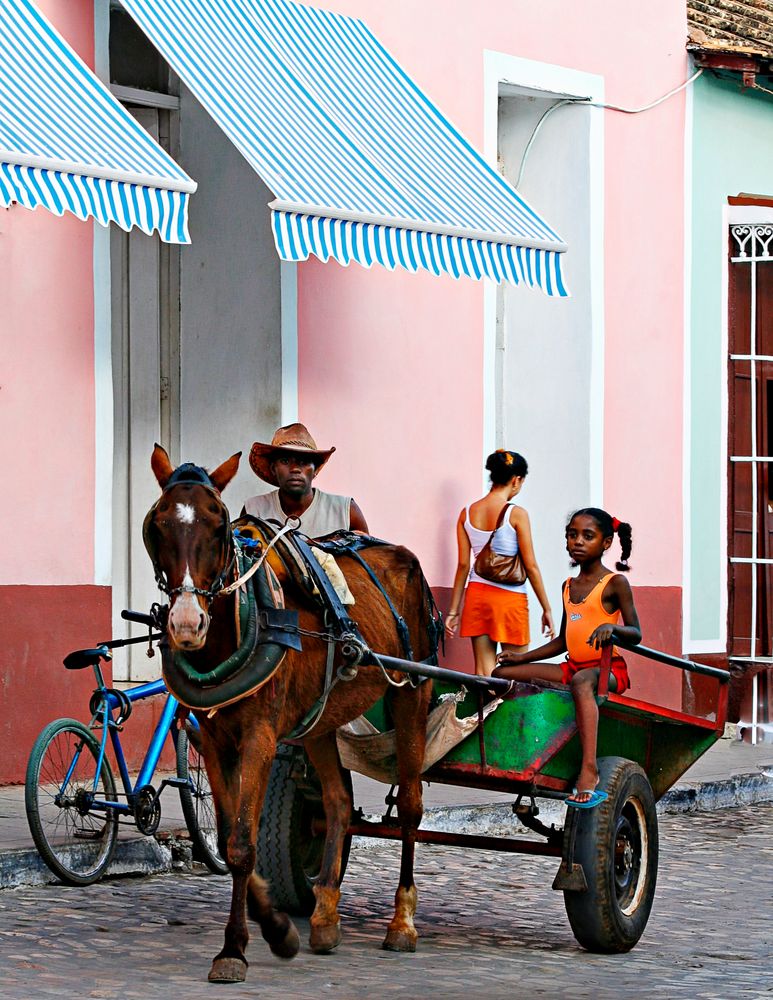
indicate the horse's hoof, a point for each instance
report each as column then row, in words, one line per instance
column 289, row 946
column 325, row 938
column 228, row 970
column 400, row 941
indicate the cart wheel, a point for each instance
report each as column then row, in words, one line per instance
column 617, row 845
column 289, row 848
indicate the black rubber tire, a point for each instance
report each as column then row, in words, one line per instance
column 617, row 845
column 76, row 843
column 198, row 806
column 289, row 852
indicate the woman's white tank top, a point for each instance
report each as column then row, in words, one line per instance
column 505, row 543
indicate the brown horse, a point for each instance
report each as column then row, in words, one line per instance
column 189, row 538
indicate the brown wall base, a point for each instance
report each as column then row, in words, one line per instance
column 40, row 625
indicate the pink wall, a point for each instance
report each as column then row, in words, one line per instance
column 383, row 375
column 411, row 449
column 47, row 391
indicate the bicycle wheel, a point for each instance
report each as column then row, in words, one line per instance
column 198, row 807
column 75, row 840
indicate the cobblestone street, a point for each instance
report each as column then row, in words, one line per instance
column 489, row 926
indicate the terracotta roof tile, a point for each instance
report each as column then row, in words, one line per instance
column 742, row 26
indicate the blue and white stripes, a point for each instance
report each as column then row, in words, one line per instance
column 363, row 166
column 66, row 144
column 297, row 236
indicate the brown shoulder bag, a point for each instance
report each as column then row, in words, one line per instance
column 500, row 569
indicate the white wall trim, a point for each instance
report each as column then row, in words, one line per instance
column 288, row 280
column 103, row 359
column 703, row 647
column 739, row 215
column 504, row 73
column 687, row 381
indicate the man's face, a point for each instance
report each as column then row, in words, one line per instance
column 294, row 472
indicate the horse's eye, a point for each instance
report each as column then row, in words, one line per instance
column 214, row 509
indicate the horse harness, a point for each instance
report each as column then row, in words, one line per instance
column 267, row 629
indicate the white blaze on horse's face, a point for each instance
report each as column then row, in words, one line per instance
column 188, row 620
column 186, row 513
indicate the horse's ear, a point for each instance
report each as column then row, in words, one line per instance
column 161, row 466
column 224, row 473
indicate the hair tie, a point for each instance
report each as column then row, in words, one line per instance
column 615, row 524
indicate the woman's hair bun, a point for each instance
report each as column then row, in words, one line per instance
column 502, row 465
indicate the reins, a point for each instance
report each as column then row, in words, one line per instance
column 263, row 643
column 259, row 561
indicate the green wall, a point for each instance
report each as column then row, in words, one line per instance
column 732, row 153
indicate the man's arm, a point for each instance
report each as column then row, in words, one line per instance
column 357, row 520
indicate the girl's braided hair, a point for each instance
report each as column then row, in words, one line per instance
column 502, row 465
column 608, row 526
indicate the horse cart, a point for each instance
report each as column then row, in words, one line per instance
column 268, row 645
column 608, row 856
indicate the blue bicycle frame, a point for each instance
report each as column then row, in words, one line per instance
column 111, row 703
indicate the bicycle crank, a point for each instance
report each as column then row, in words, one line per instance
column 147, row 810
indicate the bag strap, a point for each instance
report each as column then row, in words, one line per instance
column 502, row 514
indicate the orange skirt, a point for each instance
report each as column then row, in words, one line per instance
column 500, row 614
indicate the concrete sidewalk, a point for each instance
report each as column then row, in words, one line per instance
column 730, row 774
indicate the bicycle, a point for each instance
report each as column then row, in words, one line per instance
column 70, row 796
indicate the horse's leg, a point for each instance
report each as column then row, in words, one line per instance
column 241, row 787
column 325, row 933
column 410, row 717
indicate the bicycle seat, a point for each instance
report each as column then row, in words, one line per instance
column 81, row 658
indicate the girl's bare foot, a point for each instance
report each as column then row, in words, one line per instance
column 587, row 780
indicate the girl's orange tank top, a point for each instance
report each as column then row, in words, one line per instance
column 583, row 618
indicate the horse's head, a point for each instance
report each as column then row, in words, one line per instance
column 187, row 533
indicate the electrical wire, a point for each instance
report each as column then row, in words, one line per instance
column 586, row 102
column 654, row 104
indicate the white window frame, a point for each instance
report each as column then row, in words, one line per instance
column 751, row 234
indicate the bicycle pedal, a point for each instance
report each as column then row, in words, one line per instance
column 175, row 782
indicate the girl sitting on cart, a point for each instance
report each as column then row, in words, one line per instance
column 594, row 603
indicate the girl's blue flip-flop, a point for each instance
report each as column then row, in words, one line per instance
column 596, row 798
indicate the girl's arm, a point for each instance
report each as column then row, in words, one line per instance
column 462, row 572
column 519, row 519
column 555, row 647
column 620, row 590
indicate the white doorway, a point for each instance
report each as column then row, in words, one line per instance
column 545, row 355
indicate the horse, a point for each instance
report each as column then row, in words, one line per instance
column 190, row 539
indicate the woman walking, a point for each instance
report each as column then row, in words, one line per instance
column 496, row 612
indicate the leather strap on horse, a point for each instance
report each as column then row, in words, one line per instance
column 402, row 628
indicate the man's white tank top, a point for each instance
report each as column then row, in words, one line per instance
column 327, row 512
column 505, row 543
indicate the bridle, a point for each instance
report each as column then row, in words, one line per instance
column 221, row 579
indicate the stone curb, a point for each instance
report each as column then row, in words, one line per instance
column 497, row 820
column 170, row 852
column 133, row 856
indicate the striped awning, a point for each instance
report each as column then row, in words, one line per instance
column 362, row 164
column 67, row 144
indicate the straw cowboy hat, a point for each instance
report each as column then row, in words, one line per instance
column 293, row 437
